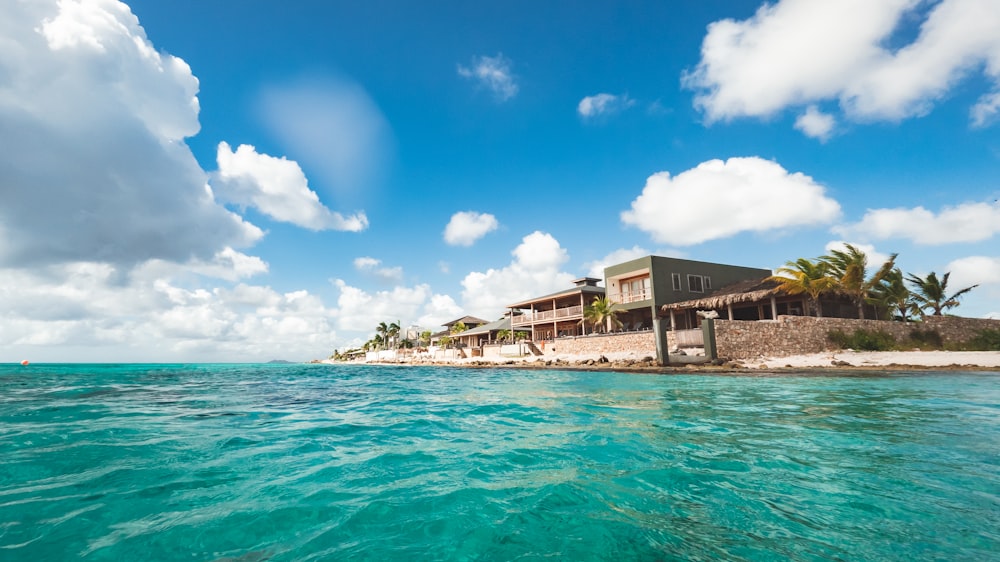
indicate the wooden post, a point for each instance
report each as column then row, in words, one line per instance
column 774, row 308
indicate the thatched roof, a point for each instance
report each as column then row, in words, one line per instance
column 748, row 290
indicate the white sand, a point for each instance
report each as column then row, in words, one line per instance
column 881, row 359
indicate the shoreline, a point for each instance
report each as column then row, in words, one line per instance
column 841, row 361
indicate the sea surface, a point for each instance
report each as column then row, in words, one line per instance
column 314, row 462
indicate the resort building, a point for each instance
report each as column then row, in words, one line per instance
column 468, row 321
column 558, row 314
column 641, row 287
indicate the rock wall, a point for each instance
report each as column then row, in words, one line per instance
column 641, row 343
column 795, row 335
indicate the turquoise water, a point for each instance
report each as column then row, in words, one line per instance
column 262, row 462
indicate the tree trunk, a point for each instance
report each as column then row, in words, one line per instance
column 819, row 308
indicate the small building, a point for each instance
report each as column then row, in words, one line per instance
column 468, row 321
column 557, row 314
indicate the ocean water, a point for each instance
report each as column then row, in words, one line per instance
column 312, row 462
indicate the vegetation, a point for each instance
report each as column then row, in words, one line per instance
column 602, row 312
column 807, row 277
column 985, row 340
column 932, row 293
column 845, row 272
column 863, row 340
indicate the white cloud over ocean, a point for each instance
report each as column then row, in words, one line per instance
column 492, row 73
column 466, row 227
column 967, row 222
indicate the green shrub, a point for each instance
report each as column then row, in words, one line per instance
column 863, row 340
column 926, row 339
column 985, row 340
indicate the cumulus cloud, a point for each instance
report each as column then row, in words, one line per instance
column 718, row 199
column 968, row 222
column 816, row 124
column 533, row 271
column 974, row 270
column 492, row 73
column 361, row 311
column 466, row 227
column 371, row 266
column 276, row 187
column 603, row 104
column 798, row 52
column 91, row 312
column 596, row 268
column 96, row 167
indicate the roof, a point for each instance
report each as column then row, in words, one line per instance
column 501, row 324
column 748, row 290
column 467, row 320
column 585, row 289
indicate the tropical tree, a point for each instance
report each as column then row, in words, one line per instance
column 850, row 269
column 601, row 311
column 504, row 335
column 805, row 277
column 892, row 294
column 392, row 333
column 425, row 338
column 382, row 333
column 932, row 293
column 444, row 341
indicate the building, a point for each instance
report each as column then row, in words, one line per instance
column 641, row 287
column 558, row 314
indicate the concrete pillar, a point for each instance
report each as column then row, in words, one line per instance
column 774, row 308
column 673, row 320
column 662, row 358
column 729, row 307
column 708, row 334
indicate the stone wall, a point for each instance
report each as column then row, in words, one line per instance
column 795, row 335
column 641, row 343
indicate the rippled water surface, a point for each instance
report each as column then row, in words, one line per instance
column 261, row 462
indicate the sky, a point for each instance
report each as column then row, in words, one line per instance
column 233, row 181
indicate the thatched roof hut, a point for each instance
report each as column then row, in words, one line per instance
column 746, row 291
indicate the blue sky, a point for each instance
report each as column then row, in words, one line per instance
column 206, row 181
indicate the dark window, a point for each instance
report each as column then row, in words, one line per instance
column 695, row 284
column 676, row 278
column 708, row 283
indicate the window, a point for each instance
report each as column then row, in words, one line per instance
column 695, row 284
column 708, row 282
column 676, row 278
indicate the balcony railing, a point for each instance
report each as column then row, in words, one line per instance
column 629, row 297
column 542, row 315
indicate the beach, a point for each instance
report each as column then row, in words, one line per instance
column 840, row 359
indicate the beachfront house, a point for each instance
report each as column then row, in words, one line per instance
column 558, row 314
column 641, row 287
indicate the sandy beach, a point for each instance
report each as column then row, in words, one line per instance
column 842, row 359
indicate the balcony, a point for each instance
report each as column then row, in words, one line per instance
column 629, row 297
column 569, row 312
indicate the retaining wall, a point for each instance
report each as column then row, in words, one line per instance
column 642, row 343
column 795, row 335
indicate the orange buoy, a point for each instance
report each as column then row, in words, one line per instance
column 25, row 362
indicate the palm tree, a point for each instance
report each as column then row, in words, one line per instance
column 850, row 268
column 601, row 311
column 392, row 332
column 805, row 277
column 425, row 338
column 891, row 293
column 382, row 333
column 930, row 292
column 504, row 335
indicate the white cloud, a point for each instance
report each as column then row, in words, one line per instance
column 718, row 199
column 603, row 104
column 534, row 271
column 466, row 227
column 797, row 52
column 973, row 270
column 493, row 73
column 816, row 124
column 596, row 268
column 333, row 128
column 361, row 311
column 371, row 266
column 968, row 222
column 96, row 167
column 88, row 311
column 276, row 187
